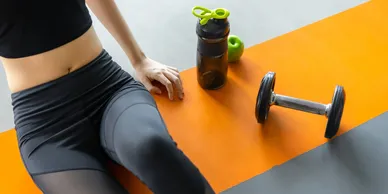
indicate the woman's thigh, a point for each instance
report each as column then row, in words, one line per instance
column 70, row 164
column 135, row 136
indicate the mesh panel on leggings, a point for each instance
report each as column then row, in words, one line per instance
column 78, row 182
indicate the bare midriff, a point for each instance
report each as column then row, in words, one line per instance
column 27, row 72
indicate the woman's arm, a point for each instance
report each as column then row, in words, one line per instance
column 109, row 15
column 147, row 70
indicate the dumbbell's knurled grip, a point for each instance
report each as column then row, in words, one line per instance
column 299, row 104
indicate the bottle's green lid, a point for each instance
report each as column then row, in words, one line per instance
column 207, row 14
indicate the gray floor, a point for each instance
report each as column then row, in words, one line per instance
column 353, row 163
column 166, row 29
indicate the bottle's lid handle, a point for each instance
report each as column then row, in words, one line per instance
column 207, row 14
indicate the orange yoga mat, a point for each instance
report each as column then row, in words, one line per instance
column 218, row 129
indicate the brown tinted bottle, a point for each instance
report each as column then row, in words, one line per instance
column 212, row 53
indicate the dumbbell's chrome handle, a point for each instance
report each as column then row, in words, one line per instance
column 302, row 105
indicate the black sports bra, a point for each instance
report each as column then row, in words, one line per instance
column 29, row 27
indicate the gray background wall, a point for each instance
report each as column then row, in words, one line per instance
column 165, row 29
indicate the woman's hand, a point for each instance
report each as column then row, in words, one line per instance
column 149, row 70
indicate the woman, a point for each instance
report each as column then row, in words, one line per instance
column 75, row 108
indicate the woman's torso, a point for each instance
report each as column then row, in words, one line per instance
column 27, row 72
column 42, row 48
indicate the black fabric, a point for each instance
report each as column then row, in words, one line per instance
column 32, row 27
column 135, row 136
column 70, row 127
column 61, row 118
column 78, row 182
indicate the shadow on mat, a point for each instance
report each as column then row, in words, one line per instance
column 352, row 160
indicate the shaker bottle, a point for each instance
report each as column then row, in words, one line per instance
column 212, row 47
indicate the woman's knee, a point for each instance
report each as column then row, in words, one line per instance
column 144, row 148
column 161, row 165
column 141, row 130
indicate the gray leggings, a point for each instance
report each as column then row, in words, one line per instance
column 101, row 114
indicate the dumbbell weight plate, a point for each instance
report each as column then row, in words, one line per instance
column 263, row 101
column 336, row 110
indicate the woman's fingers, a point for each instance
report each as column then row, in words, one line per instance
column 173, row 69
column 166, row 82
column 176, row 81
column 150, row 87
column 170, row 78
column 176, row 73
column 179, row 77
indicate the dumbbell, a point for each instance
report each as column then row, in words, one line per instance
column 266, row 97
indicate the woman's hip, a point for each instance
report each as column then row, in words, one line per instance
column 49, row 109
